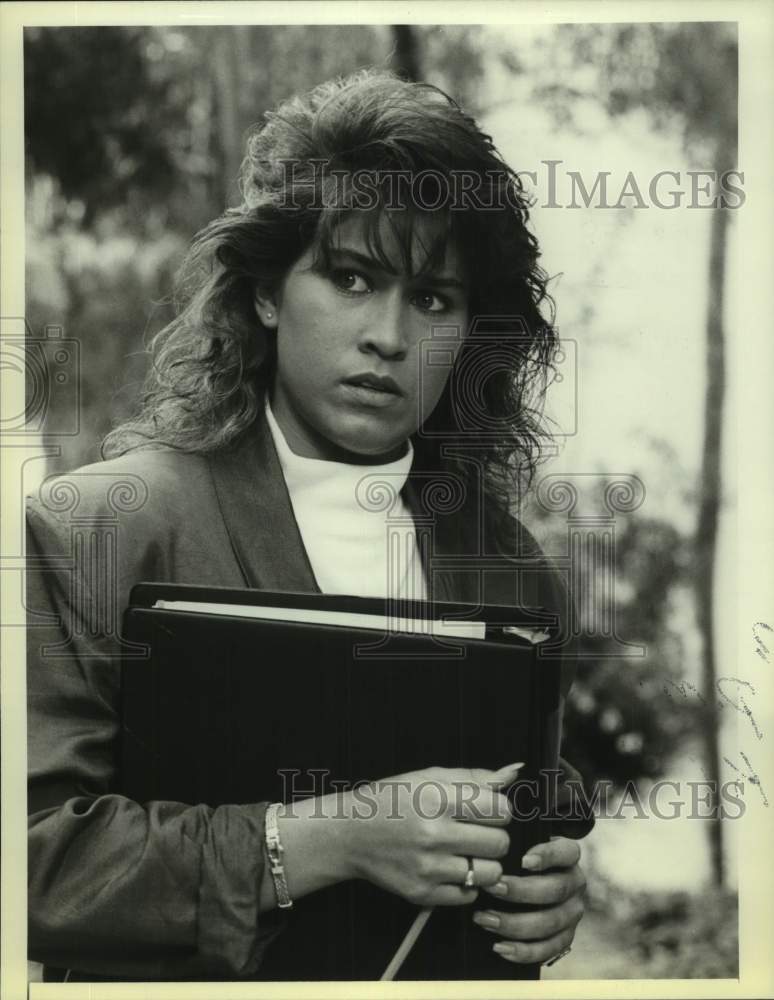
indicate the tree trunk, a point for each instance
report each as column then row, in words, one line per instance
column 225, row 73
column 709, row 512
column 405, row 57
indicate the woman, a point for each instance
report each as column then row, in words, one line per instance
column 380, row 231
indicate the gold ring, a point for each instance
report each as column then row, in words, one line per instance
column 470, row 875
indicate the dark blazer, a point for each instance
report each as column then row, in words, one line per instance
column 165, row 890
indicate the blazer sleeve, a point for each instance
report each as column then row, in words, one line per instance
column 155, row 890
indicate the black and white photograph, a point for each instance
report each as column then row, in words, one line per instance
column 386, row 484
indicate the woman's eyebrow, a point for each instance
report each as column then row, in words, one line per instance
column 365, row 260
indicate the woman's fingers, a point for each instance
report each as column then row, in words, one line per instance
column 474, row 803
column 535, row 925
column 448, row 816
column 443, row 881
column 528, row 952
column 466, row 794
column 540, row 890
column 559, row 852
column 449, row 895
column 453, row 871
column 476, row 841
column 450, row 889
column 501, row 778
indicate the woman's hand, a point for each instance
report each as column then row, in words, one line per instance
column 556, row 887
column 413, row 834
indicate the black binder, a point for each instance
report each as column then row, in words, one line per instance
column 223, row 708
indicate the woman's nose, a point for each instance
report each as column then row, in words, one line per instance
column 386, row 333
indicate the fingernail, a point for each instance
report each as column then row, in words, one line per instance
column 507, row 774
column 501, row 948
column 531, row 861
column 499, row 889
column 488, row 919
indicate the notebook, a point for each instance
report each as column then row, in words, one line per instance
column 248, row 696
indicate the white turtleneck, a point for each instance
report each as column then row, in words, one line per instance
column 355, row 546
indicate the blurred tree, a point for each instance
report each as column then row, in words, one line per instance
column 229, row 72
column 623, row 719
column 631, row 934
column 134, row 138
column 454, row 58
column 97, row 117
column 685, row 72
column 405, row 55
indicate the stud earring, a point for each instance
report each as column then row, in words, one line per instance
column 269, row 315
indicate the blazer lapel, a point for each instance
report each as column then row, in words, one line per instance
column 264, row 535
column 258, row 514
column 442, row 584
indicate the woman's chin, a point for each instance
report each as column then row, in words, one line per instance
column 364, row 450
column 377, row 456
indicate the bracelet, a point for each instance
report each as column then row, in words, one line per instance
column 275, row 850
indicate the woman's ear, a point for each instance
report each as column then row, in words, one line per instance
column 266, row 309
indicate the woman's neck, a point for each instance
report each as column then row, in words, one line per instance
column 313, row 445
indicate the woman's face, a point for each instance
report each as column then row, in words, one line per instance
column 357, row 372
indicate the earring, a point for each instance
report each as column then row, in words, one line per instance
column 269, row 315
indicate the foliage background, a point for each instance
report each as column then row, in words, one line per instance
column 133, row 139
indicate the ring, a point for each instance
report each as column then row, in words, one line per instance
column 470, row 875
column 560, row 955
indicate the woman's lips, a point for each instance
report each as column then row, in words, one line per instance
column 373, row 391
column 371, row 380
column 369, row 396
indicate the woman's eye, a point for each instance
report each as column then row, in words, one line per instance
column 430, row 302
column 350, row 281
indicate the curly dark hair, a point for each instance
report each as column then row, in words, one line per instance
column 305, row 170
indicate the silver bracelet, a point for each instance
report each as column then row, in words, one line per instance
column 275, row 850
